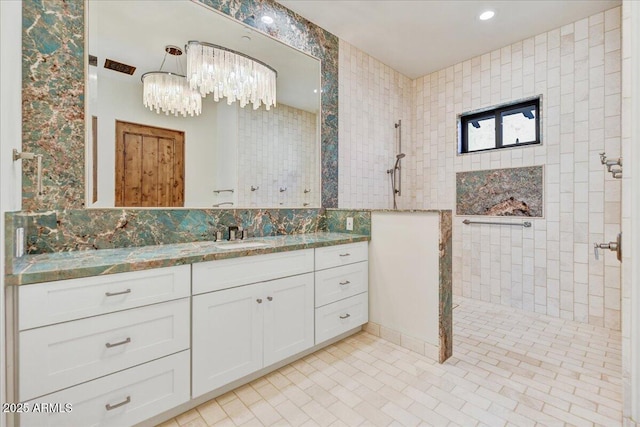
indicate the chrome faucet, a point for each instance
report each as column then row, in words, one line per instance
column 217, row 205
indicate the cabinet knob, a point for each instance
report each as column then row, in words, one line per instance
column 345, row 316
column 259, row 300
column 270, row 298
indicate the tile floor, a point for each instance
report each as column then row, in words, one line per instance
column 509, row 368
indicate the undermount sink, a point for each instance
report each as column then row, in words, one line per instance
column 240, row 245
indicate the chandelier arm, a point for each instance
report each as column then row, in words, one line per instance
column 163, row 60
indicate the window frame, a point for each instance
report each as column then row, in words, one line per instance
column 496, row 114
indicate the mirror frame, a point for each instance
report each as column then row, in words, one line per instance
column 54, row 65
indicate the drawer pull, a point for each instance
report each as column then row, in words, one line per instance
column 111, row 407
column 259, row 300
column 347, row 254
column 109, row 345
column 346, row 282
column 345, row 316
column 270, row 298
column 113, row 294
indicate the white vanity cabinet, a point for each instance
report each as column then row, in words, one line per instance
column 240, row 330
column 127, row 347
column 341, row 289
column 116, row 347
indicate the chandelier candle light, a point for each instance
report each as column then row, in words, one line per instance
column 227, row 73
column 168, row 92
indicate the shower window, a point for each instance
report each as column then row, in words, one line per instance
column 509, row 125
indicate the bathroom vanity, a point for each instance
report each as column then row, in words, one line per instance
column 143, row 344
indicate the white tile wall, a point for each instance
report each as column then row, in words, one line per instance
column 277, row 148
column 549, row 268
column 628, row 10
column 372, row 98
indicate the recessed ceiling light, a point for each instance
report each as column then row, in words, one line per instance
column 315, row 91
column 486, row 15
column 267, row 19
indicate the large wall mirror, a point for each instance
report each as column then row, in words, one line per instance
column 228, row 156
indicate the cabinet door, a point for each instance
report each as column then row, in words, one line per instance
column 227, row 337
column 288, row 317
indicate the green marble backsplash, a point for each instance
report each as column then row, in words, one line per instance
column 335, row 220
column 92, row 229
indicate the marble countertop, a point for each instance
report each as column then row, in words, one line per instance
column 70, row 265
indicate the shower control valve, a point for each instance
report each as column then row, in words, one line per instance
column 612, row 246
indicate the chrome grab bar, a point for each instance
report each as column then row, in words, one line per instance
column 525, row 224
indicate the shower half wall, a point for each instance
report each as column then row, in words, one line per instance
column 410, row 280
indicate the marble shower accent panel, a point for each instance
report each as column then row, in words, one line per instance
column 501, row 192
column 445, row 317
column 53, row 92
column 93, row 229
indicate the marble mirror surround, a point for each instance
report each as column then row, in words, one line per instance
column 53, row 93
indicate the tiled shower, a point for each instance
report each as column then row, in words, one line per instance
column 549, row 268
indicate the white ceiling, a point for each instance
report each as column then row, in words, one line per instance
column 417, row 37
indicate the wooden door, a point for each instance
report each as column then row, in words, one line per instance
column 149, row 166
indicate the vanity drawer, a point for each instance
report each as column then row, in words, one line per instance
column 341, row 282
column 62, row 355
column 341, row 316
column 54, row 302
column 334, row 256
column 229, row 273
column 146, row 390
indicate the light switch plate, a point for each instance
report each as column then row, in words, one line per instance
column 19, row 242
column 349, row 223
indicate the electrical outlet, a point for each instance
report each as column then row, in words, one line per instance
column 349, row 223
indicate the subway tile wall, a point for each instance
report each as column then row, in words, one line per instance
column 628, row 10
column 284, row 139
column 372, row 98
column 549, row 268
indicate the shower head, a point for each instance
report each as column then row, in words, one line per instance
column 400, row 156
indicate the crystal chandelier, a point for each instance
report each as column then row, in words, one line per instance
column 168, row 92
column 227, row 73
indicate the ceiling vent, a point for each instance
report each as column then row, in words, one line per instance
column 119, row 66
